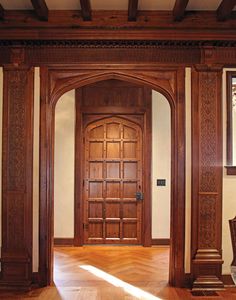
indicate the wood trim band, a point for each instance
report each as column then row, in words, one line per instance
column 64, row 242
column 158, row 241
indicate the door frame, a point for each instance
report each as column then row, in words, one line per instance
column 57, row 80
column 146, row 112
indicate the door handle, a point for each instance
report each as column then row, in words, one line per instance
column 139, row 196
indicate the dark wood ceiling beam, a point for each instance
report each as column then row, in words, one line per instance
column 41, row 9
column 86, row 10
column 225, row 9
column 179, row 9
column 2, row 12
column 133, row 10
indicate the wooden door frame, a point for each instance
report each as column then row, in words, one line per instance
column 146, row 112
column 57, row 80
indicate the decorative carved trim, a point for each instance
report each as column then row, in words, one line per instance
column 17, row 55
column 35, row 52
column 208, row 225
column 206, row 177
column 16, row 255
column 116, row 43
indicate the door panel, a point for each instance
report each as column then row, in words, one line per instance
column 112, row 176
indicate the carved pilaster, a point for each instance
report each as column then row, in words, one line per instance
column 206, row 177
column 16, row 258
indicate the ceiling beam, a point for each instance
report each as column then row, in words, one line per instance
column 2, row 12
column 133, row 10
column 41, row 9
column 224, row 10
column 179, row 9
column 86, row 10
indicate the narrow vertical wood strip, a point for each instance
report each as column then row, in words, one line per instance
column 224, row 10
column 132, row 10
column 179, row 9
column 1, row 119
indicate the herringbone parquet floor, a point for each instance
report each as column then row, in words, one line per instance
column 111, row 273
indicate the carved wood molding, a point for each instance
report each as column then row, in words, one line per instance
column 73, row 77
column 206, row 176
column 148, row 52
column 17, row 172
column 57, row 80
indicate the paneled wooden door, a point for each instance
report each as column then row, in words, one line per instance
column 112, row 177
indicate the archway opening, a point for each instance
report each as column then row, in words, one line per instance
column 54, row 90
column 114, row 127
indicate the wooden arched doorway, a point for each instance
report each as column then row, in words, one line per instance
column 55, row 82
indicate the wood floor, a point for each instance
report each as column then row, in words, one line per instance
column 112, row 273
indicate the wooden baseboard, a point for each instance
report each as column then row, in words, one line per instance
column 227, row 280
column 63, row 241
column 187, row 280
column 160, row 241
column 35, row 278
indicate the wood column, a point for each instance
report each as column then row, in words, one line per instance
column 16, row 256
column 206, row 177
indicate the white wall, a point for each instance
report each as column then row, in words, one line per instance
column 229, row 194
column 64, row 166
column 161, row 165
column 188, row 196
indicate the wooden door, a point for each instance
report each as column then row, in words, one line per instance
column 112, row 176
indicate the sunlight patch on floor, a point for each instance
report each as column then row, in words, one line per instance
column 130, row 289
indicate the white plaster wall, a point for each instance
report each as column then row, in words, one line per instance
column 161, row 165
column 188, row 170
column 229, row 194
column 64, row 166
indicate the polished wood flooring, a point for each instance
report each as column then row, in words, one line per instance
column 112, row 273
